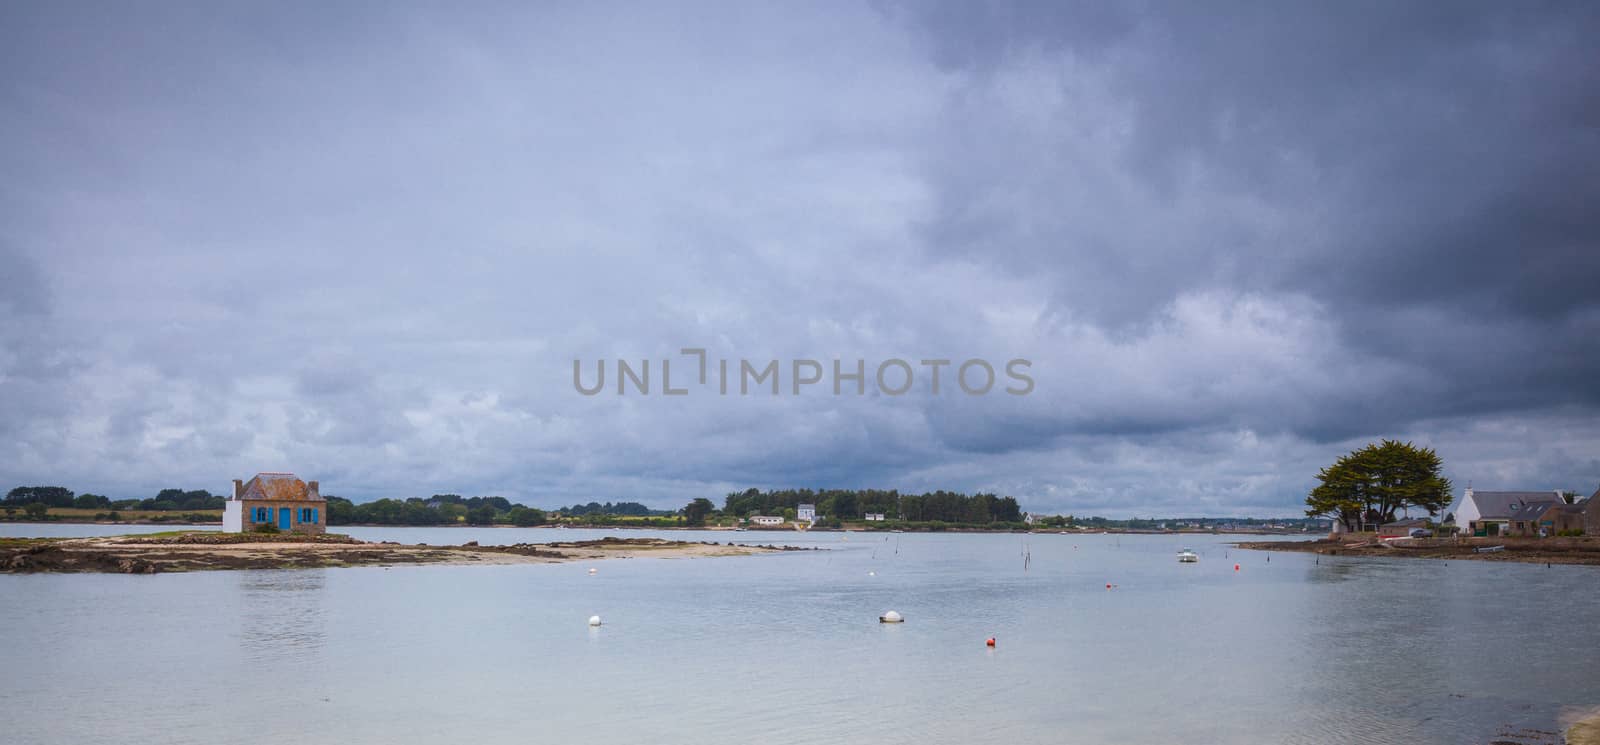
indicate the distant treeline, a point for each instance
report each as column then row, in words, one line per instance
column 854, row 504
column 620, row 508
column 173, row 500
column 1173, row 523
column 440, row 509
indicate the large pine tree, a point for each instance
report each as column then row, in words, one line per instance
column 1368, row 486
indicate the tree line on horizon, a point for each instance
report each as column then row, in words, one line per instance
column 167, row 500
column 439, row 509
column 448, row 509
column 855, row 504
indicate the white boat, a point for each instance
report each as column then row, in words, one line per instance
column 1188, row 556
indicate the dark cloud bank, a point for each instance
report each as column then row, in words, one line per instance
column 366, row 243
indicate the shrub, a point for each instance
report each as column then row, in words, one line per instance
column 265, row 528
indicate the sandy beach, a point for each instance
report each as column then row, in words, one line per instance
column 185, row 552
column 1585, row 731
column 1573, row 550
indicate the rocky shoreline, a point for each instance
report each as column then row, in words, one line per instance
column 209, row 551
column 1573, row 550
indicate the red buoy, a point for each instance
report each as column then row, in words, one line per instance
column 1108, row 585
column 1235, row 567
column 990, row 642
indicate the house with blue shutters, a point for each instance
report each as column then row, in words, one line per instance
column 277, row 499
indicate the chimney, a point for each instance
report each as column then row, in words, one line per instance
column 238, row 488
column 311, row 490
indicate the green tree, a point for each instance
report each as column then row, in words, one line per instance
column 695, row 512
column 52, row 496
column 481, row 515
column 453, row 512
column 525, row 516
column 1372, row 484
column 36, row 510
column 340, row 510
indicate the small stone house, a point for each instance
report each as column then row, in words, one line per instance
column 277, row 499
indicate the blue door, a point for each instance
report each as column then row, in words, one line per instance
column 283, row 518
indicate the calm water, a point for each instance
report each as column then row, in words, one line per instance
column 787, row 648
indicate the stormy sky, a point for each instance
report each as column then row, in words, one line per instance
column 365, row 242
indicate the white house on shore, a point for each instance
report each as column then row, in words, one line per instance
column 806, row 513
column 767, row 520
column 875, row 517
column 1492, row 512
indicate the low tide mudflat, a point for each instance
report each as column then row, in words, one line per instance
column 201, row 551
column 1565, row 550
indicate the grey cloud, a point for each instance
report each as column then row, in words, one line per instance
column 365, row 242
column 1424, row 174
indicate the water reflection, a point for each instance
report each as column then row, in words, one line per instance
column 282, row 613
column 1286, row 651
column 1326, row 570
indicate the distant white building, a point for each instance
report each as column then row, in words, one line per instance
column 875, row 517
column 766, row 520
column 806, row 513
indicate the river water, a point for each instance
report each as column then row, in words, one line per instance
column 787, row 647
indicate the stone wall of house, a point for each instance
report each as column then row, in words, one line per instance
column 1591, row 516
column 294, row 505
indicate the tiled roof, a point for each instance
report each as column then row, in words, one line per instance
column 277, row 486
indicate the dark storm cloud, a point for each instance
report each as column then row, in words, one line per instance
column 1425, row 173
column 366, row 241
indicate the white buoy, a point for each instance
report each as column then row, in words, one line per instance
column 592, row 570
column 872, row 574
column 594, row 620
column 891, row 617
